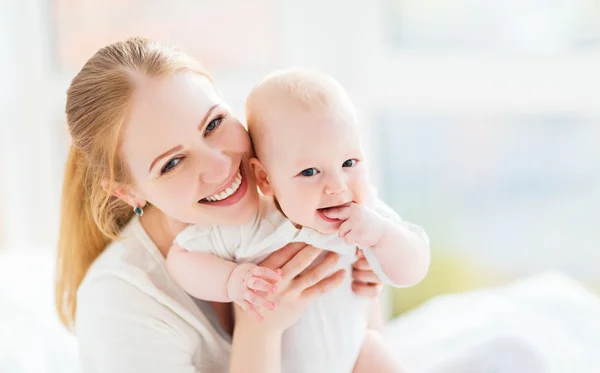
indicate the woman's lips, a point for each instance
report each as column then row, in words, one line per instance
column 236, row 196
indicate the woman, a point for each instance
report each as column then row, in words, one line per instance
column 150, row 139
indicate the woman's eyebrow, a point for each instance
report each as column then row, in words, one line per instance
column 168, row 152
column 203, row 121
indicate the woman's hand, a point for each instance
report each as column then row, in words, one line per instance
column 257, row 346
column 300, row 283
column 365, row 282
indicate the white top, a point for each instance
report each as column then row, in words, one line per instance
column 132, row 317
column 269, row 230
column 329, row 335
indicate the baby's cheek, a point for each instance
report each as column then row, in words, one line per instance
column 294, row 204
column 294, row 208
column 362, row 193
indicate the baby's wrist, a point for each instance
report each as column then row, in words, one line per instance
column 387, row 231
column 235, row 284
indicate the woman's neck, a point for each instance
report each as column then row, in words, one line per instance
column 160, row 228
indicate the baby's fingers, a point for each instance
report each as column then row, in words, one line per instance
column 342, row 212
column 257, row 300
column 258, row 284
column 345, row 228
column 267, row 274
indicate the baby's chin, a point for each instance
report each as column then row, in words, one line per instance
column 324, row 228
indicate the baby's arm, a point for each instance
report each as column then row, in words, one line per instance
column 208, row 277
column 401, row 253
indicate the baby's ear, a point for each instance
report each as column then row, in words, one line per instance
column 260, row 174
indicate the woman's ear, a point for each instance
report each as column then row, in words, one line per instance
column 123, row 192
column 262, row 179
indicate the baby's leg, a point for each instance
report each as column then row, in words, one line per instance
column 375, row 356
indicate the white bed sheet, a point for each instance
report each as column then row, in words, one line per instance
column 551, row 312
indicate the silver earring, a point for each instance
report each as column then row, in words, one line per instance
column 138, row 211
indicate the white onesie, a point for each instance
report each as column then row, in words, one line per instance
column 328, row 336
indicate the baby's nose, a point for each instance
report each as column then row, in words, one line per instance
column 335, row 185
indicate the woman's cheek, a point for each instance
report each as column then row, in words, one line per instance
column 240, row 138
column 179, row 188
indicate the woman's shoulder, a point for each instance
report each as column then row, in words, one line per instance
column 131, row 257
column 131, row 251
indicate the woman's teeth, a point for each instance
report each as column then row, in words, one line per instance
column 228, row 191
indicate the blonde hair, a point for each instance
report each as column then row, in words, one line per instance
column 311, row 89
column 97, row 102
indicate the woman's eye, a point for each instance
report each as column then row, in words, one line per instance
column 349, row 163
column 309, row 172
column 214, row 124
column 170, row 165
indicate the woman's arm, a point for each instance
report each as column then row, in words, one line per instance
column 120, row 329
column 255, row 349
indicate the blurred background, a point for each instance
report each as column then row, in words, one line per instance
column 481, row 119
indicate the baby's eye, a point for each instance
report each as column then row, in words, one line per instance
column 170, row 165
column 349, row 163
column 309, row 172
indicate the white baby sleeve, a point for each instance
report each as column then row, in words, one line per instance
column 220, row 241
column 385, row 211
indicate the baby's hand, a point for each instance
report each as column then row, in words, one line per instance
column 361, row 226
column 246, row 284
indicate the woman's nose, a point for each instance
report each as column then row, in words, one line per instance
column 216, row 167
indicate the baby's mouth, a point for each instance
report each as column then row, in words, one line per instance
column 324, row 210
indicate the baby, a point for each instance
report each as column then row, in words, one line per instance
column 313, row 176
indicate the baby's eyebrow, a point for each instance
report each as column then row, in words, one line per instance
column 304, row 163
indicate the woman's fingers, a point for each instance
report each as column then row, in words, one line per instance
column 300, row 261
column 367, row 276
column 315, row 274
column 362, row 264
column 251, row 310
column 366, row 290
column 325, row 285
column 280, row 257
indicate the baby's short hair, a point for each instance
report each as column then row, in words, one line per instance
column 310, row 89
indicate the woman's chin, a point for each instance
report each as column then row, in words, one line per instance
column 239, row 213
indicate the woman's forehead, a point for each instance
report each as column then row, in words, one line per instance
column 180, row 98
column 170, row 95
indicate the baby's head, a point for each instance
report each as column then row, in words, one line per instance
column 303, row 127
